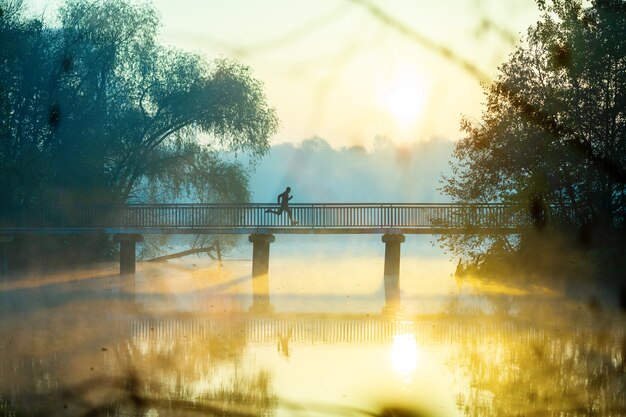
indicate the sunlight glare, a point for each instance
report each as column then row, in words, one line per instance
column 404, row 353
column 404, row 98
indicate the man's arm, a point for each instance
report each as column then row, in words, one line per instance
column 290, row 197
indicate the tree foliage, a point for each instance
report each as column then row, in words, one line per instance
column 553, row 131
column 95, row 110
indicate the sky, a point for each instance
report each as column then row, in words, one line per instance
column 347, row 73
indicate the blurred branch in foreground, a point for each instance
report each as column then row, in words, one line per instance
column 424, row 41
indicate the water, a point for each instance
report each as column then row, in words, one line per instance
column 178, row 341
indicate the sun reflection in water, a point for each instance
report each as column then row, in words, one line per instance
column 404, row 353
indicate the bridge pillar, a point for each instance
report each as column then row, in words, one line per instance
column 127, row 252
column 4, row 256
column 260, row 267
column 392, row 271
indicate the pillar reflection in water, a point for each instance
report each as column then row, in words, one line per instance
column 392, row 271
column 260, row 272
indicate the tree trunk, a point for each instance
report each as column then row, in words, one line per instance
column 192, row 251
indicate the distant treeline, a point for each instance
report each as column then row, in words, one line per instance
column 385, row 172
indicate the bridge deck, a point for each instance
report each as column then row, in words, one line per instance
column 253, row 218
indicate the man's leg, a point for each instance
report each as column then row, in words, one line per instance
column 290, row 216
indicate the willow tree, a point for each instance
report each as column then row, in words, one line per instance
column 107, row 113
column 553, row 132
column 94, row 110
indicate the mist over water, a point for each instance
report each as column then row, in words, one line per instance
column 177, row 339
column 343, row 273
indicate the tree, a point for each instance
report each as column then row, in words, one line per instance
column 104, row 112
column 94, row 110
column 552, row 138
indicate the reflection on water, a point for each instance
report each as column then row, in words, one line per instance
column 404, row 353
column 87, row 346
column 578, row 371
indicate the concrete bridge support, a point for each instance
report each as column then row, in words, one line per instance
column 4, row 256
column 392, row 271
column 260, row 267
column 127, row 252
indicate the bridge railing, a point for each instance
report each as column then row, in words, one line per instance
column 229, row 216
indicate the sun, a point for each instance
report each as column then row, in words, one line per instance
column 404, row 353
column 404, row 97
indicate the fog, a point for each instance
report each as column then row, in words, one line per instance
column 385, row 172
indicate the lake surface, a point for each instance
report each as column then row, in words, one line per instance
column 177, row 340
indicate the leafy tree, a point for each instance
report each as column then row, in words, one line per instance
column 552, row 138
column 94, row 110
column 106, row 114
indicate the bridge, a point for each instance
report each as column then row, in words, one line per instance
column 127, row 224
column 253, row 218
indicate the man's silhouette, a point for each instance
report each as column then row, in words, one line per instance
column 283, row 200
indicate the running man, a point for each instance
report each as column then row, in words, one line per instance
column 283, row 200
